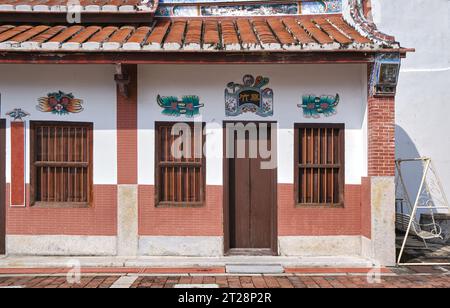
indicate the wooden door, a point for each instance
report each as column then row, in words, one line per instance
column 251, row 197
column 2, row 187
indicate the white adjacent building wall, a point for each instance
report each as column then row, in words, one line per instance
column 423, row 94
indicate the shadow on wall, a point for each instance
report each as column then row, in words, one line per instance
column 412, row 171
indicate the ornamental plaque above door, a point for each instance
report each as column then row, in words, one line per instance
column 251, row 96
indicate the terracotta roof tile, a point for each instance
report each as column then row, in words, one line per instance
column 45, row 36
column 281, row 32
column 331, row 30
column 247, row 34
column 12, row 32
column 230, row 36
column 5, row 28
column 156, row 38
column 116, row 40
column 211, row 38
column 84, row 35
column 193, row 37
column 342, row 25
column 298, row 32
column 27, row 35
column 265, row 35
column 315, row 32
column 193, row 34
column 176, row 34
column 137, row 38
column 103, row 35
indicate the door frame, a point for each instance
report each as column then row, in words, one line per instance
column 2, row 187
column 226, row 193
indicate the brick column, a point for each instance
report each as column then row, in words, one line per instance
column 127, row 129
column 127, row 173
column 381, row 139
column 18, row 164
column 381, row 171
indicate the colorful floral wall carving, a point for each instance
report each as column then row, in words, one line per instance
column 313, row 106
column 189, row 105
column 60, row 103
column 251, row 96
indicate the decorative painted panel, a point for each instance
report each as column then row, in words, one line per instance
column 17, row 114
column 313, row 106
column 178, row 8
column 322, row 7
column 60, row 103
column 384, row 76
column 189, row 105
column 251, row 96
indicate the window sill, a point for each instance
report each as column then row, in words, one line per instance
column 61, row 205
column 180, row 204
column 321, row 205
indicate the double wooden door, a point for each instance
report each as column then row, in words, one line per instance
column 252, row 192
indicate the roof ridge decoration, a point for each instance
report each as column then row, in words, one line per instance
column 355, row 17
column 216, row 8
column 117, row 6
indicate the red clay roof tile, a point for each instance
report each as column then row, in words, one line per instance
column 207, row 34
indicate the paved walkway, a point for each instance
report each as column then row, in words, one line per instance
column 409, row 277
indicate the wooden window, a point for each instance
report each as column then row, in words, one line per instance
column 319, row 164
column 180, row 181
column 61, row 164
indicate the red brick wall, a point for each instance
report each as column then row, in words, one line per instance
column 202, row 221
column 100, row 219
column 127, row 137
column 381, row 136
column 18, row 163
column 320, row 221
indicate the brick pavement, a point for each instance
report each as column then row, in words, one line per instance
column 409, row 277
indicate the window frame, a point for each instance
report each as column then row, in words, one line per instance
column 33, row 168
column 341, row 174
column 157, row 146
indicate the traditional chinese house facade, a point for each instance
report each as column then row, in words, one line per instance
column 89, row 109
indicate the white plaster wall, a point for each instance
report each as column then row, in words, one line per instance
column 22, row 85
column 289, row 83
column 423, row 92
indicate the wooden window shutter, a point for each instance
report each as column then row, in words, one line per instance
column 179, row 181
column 319, row 164
column 61, row 163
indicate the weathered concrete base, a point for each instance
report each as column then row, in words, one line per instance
column 366, row 247
column 61, row 245
column 254, row 269
column 383, row 220
column 192, row 246
column 185, row 262
column 320, row 245
column 127, row 220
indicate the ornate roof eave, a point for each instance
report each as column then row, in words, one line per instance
column 355, row 16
